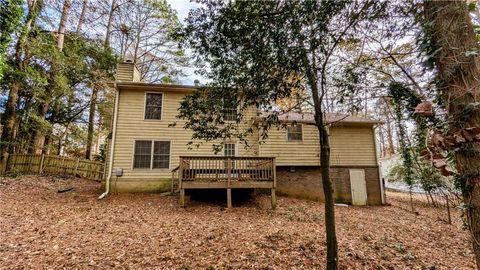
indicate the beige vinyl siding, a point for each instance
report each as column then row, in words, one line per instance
column 293, row 153
column 131, row 126
column 352, row 145
column 127, row 72
column 252, row 138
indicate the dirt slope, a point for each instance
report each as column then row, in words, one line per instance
column 43, row 229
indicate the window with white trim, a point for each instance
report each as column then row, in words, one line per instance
column 143, row 154
column 229, row 149
column 148, row 157
column 294, row 133
column 161, row 155
column 153, row 106
column 230, row 112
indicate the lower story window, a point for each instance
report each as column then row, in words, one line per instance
column 229, row 149
column 151, row 154
column 161, row 155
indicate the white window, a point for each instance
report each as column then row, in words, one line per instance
column 161, row 155
column 153, row 106
column 294, row 133
column 229, row 149
column 229, row 111
column 147, row 157
column 230, row 114
column 143, row 154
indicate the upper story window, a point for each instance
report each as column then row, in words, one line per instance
column 153, row 106
column 229, row 114
column 229, row 110
column 229, row 149
column 294, row 133
column 148, row 157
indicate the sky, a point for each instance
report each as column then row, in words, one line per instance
column 183, row 7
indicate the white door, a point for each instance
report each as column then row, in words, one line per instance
column 358, row 186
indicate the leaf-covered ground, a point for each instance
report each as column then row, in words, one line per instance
column 43, row 229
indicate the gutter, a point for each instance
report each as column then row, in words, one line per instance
column 112, row 147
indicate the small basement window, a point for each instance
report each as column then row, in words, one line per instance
column 146, row 157
column 294, row 133
column 153, row 106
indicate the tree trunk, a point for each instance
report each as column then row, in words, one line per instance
column 332, row 257
column 447, row 205
column 39, row 136
column 63, row 24
column 391, row 147
column 91, row 122
column 81, row 20
column 332, row 254
column 9, row 117
column 451, row 31
column 108, row 32
column 62, row 140
column 411, row 200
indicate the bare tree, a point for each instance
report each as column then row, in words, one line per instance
column 143, row 33
column 62, row 26
column 81, row 19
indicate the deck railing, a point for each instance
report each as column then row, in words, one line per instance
column 208, row 168
column 225, row 172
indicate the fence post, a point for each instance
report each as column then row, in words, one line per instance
column 40, row 166
column 180, row 177
column 229, row 176
column 5, row 164
column 76, row 168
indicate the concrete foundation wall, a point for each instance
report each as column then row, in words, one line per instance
column 140, row 185
column 303, row 182
column 306, row 182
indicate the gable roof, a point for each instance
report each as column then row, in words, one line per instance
column 330, row 118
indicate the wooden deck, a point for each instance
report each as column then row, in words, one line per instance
column 211, row 172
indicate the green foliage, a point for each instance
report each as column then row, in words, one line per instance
column 414, row 170
column 11, row 12
column 83, row 64
column 422, row 175
column 102, row 156
column 254, row 50
column 398, row 92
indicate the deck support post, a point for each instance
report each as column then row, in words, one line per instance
column 182, row 197
column 229, row 198
column 274, row 199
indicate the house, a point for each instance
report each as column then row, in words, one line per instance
column 146, row 150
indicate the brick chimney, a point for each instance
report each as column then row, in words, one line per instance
column 127, row 71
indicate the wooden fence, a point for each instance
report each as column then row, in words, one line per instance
column 50, row 164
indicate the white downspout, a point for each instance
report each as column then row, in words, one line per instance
column 112, row 147
column 380, row 176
